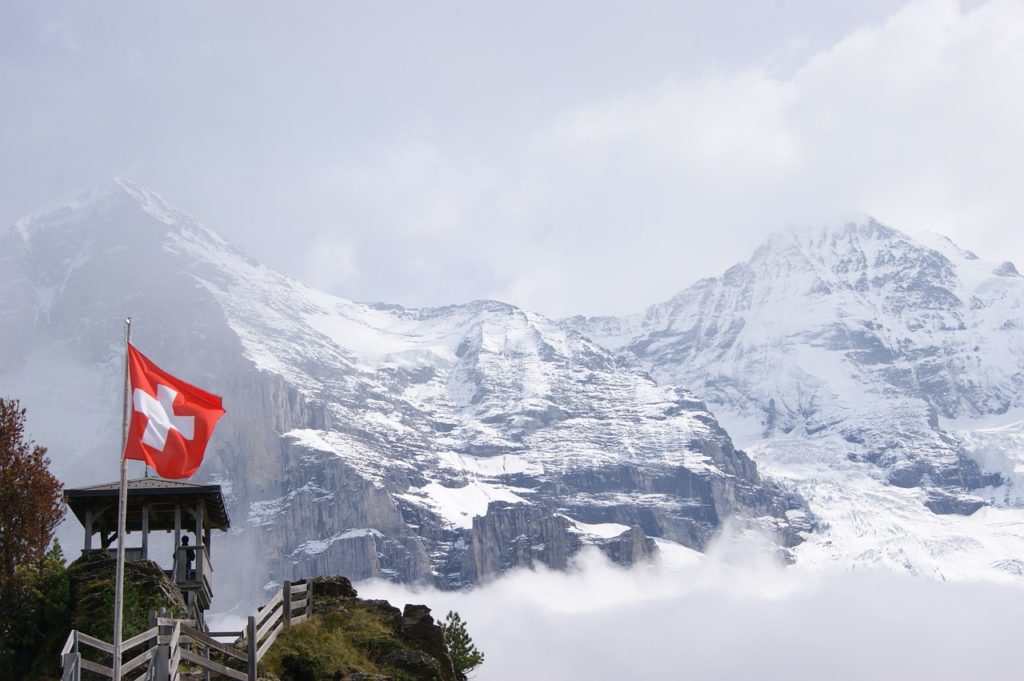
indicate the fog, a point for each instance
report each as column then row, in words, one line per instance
column 741, row 617
column 575, row 157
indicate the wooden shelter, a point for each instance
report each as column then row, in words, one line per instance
column 154, row 505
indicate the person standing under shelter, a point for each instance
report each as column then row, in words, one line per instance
column 190, row 559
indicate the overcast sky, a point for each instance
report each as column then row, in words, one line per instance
column 570, row 157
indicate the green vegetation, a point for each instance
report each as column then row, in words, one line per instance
column 33, row 583
column 40, row 596
column 331, row 645
column 464, row 653
column 358, row 638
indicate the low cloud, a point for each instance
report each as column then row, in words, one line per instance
column 734, row 614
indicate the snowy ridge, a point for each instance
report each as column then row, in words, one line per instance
column 464, row 440
column 877, row 381
column 860, row 365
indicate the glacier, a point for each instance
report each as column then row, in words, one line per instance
column 879, row 375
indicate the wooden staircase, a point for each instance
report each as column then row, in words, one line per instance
column 178, row 649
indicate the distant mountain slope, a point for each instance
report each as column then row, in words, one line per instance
column 858, row 363
column 443, row 444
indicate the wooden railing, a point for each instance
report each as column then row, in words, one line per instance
column 171, row 642
column 73, row 663
column 278, row 614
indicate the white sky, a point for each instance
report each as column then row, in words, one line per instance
column 574, row 157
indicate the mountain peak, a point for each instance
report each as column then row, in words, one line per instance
column 117, row 198
column 829, row 237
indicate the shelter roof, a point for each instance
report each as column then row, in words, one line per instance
column 161, row 495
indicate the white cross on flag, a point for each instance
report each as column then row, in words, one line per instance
column 171, row 420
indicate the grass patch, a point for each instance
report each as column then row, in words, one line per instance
column 330, row 645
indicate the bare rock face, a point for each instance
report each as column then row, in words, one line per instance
column 518, row 535
column 523, row 536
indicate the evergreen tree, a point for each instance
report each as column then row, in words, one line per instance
column 463, row 652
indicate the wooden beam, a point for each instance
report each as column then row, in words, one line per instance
column 145, row 532
column 88, row 529
column 95, row 643
column 286, row 590
column 250, row 631
column 224, row 648
column 199, row 521
column 97, row 668
column 138, row 661
column 269, row 642
column 177, row 539
column 205, row 663
column 150, row 633
column 177, row 524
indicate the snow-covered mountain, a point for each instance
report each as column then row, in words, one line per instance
column 443, row 445
column 882, row 376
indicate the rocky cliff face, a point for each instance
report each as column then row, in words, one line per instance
column 442, row 445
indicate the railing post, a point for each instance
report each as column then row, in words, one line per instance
column 309, row 597
column 287, row 606
column 161, row 660
column 160, row 663
column 71, row 665
column 251, row 640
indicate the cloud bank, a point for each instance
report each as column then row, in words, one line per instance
column 730, row 620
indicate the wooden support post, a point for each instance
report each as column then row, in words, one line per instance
column 251, row 640
column 200, row 563
column 199, row 522
column 160, row 662
column 145, row 532
column 177, row 539
column 309, row 597
column 88, row 529
column 286, row 608
column 71, row 665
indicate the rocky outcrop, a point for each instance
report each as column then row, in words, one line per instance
column 353, row 639
column 518, row 535
column 146, row 589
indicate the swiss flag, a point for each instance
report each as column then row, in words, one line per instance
column 171, row 420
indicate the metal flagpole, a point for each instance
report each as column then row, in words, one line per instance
column 122, row 511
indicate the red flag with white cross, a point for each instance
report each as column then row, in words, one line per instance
column 171, row 420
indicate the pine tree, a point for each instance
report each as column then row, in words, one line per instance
column 464, row 654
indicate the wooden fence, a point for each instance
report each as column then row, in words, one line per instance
column 170, row 642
